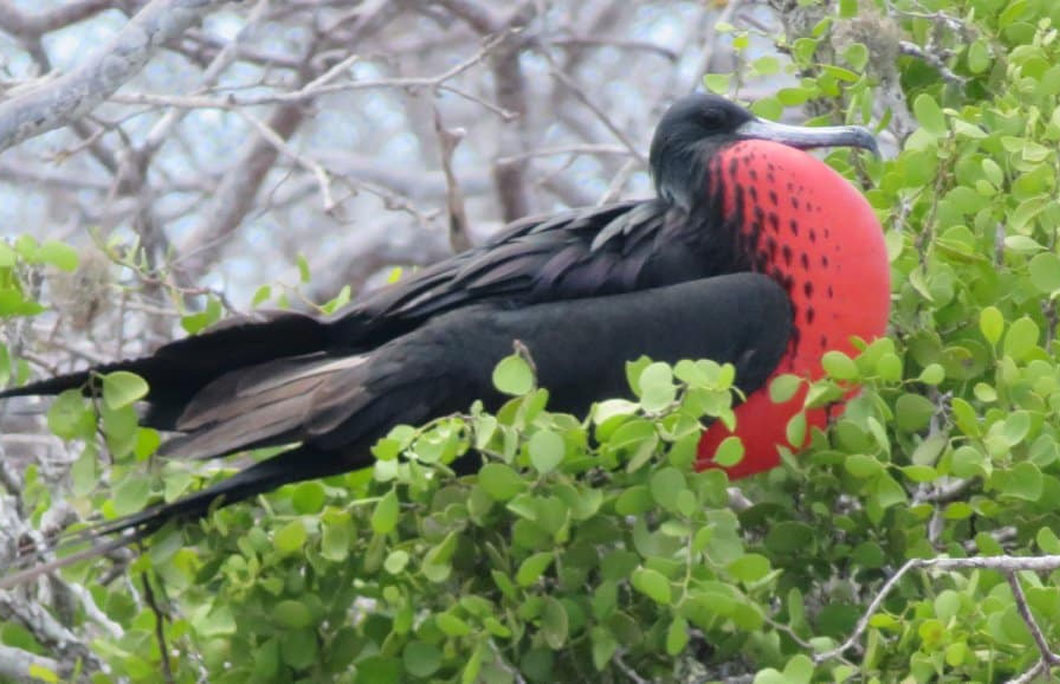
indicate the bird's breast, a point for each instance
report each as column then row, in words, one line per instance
column 808, row 228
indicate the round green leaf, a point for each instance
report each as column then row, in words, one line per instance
column 652, row 584
column 929, row 115
column 784, row 387
column 546, row 450
column 291, row 614
column 729, row 452
column 749, row 568
column 1045, row 272
column 122, row 388
column 421, row 659
column 839, row 365
column 513, row 376
column 500, row 481
column 1021, row 338
column 290, row 538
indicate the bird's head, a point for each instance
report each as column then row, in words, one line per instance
column 699, row 126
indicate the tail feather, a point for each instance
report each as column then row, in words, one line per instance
column 295, row 465
column 177, row 371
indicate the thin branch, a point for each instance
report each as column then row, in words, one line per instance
column 314, row 89
column 587, row 148
column 448, row 139
column 1048, row 657
column 582, row 97
column 1005, row 564
column 913, row 50
column 314, row 167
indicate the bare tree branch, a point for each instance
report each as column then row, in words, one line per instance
column 448, row 139
column 59, row 101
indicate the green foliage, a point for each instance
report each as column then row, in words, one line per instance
column 585, row 547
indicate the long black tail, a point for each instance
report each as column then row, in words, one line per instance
column 177, row 371
column 294, row 465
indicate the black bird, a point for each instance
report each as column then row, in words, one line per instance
column 721, row 263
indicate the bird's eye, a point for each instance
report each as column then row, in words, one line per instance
column 712, row 118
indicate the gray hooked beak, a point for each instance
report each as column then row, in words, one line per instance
column 806, row 137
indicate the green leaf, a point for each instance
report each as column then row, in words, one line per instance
column 376, row 669
column 555, row 623
column 531, row 569
column 1045, row 272
column 1015, row 428
column 308, row 497
column 979, row 59
column 1047, row 540
column 131, row 494
column 933, row 374
column 1021, row 338
column 888, row 492
column 749, row 568
column 396, row 561
column 303, row 268
column 58, row 254
column 122, row 388
column 968, row 462
column 783, row 387
column 261, row 295
column 290, row 538
column 385, row 515
column 718, row 83
column 500, row 481
column 677, row 636
column 42, row 673
column 796, row 429
column 657, row 387
column 929, row 115
column 546, row 450
column 767, row 65
column 1024, row 481
column 839, row 365
column 292, row 614
column 337, row 537
column 83, row 473
column 991, row 324
column 604, row 646
column 913, row 412
column 421, row 659
column 513, row 376
column 862, row 466
column 652, row 584
column 71, row 416
column 799, row 670
column 451, row 625
column 666, row 484
column 729, row 452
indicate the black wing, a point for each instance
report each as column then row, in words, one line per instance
column 618, row 248
column 581, row 253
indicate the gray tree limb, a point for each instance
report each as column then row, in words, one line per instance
column 59, row 101
column 16, row 664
